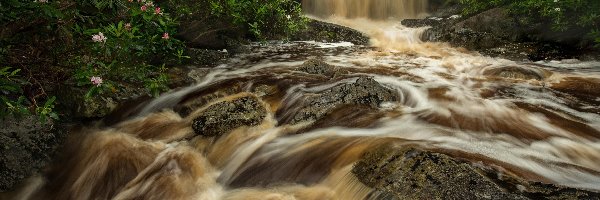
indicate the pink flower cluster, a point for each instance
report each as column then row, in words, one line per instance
column 165, row 36
column 149, row 4
column 97, row 81
column 99, row 37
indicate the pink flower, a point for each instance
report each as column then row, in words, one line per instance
column 99, row 37
column 130, row 1
column 165, row 36
column 157, row 11
column 97, row 81
column 128, row 26
column 143, row 8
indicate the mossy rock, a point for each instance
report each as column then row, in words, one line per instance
column 26, row 146
column 222, row 117
column 414, row 173
column 365, row 91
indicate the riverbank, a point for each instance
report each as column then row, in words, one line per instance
column 497, row 32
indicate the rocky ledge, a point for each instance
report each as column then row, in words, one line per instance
column 496, row 33
column 26, row 146
column 415, row 173
column 326, row 32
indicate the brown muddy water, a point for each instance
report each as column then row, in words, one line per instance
column 540, row 120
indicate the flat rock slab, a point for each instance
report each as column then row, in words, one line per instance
column 412, row 173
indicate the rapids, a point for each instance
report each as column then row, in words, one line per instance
column 539, row 120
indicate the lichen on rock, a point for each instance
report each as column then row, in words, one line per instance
column 224, row 116
column 365, row 91
column 415, row 173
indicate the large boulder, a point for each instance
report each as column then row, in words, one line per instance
column 488, row 29
column 414, row 173
column 26, row 146
column 326, row 32
column 316, row 66
column 73, row 103
column 222, row 117
column 197, row 33
column 365, row 91
column 497, row 32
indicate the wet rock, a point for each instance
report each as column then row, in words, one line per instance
column 365, row 91
column 488, row 29
column 26, row 146
column 412, row 173
column 263, row 90
column 179, row 77
column 72, row 101
column 416, row 23
column 326, row 32
column 515, row 72
column 206, row 57
column 315, row 66
column 496, row 32
column 197, row 33
column 474, row 32
column 222, row 117
column 212, row 93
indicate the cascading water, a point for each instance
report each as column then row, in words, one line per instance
column 529, row 119
column 372, row 9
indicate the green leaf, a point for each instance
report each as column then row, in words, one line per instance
column 53, row 115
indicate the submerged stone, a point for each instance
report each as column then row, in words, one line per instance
column 319, row 67
column 412, row 173
column 517, row 73
column 222, row 117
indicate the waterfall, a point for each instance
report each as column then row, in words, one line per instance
column 373, row 9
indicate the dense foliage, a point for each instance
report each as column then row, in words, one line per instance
column 12, row 101
column 562, row 14
column 264, row 18
column 104, row 45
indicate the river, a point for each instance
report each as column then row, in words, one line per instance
column 537, row 120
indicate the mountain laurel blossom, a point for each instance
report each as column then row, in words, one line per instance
column 165, row 36
column 157, row 11
column 143, row 8
column 97, row 81
column 128, row 26
column 99, row 37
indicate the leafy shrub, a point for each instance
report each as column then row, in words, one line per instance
column 263, row 18
column 126, row 49
column 12, row 101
